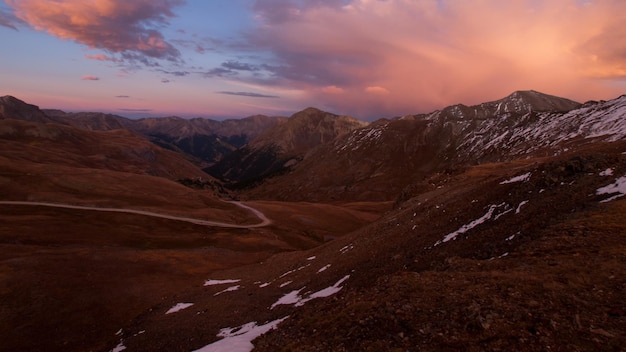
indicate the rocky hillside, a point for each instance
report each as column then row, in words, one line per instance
column 389, row 157
column 283, row 145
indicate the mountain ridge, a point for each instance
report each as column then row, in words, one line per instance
column 380, row 160
column 283, row 145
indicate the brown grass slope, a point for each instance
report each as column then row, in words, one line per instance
column 117, row 150
column 69, row 279
column 544, row 269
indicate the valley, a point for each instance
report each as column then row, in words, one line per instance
column 490, row 227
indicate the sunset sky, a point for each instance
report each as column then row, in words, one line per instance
column 365, row 58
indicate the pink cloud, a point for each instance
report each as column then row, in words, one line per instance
column 426, row 54
column 101, row 57
column 117, row 26
column 333, row 90
column 90, row 78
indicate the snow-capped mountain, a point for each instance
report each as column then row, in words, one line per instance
column 514, row 134
column 376, row 162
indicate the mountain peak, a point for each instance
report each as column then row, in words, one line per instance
column 530, row 100
column 308, row 128
column 13, row 108
column 9, row 100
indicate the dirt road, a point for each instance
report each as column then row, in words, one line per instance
column 264, row 220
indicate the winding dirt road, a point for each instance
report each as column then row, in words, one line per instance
column 264, row 220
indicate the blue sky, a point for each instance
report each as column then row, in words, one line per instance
column 365, row 58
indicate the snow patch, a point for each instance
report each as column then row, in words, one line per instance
column 519, row 207
column 344, row 249
column 311, row 258
column 220, row 282
column 510, row 238
column 294, row 298
column 607, row 172
column 323, row 268
column 119, row 348
column 285, row 283
column 179, row 307
column 619, row 187
column 240, row 339
column 294, row 270
column 521, row 178
column 229, row 289
column 463, row 229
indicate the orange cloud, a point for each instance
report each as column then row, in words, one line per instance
column 90, row 78
column 117, row 26
column 333, row 90
column 377, row 90
column 431, row 53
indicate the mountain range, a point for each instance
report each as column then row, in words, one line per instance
column 203, row 140
column 498, row 226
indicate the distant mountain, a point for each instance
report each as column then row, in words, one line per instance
column 283, row 145
column 11, row 107
column 28, row 135
column 389, row 157
column 203, row 140
column 93, row 121
column 519, row 102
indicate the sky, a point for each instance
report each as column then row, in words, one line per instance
column 364, row 58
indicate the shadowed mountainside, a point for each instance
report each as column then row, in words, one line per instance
column 282, row 146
